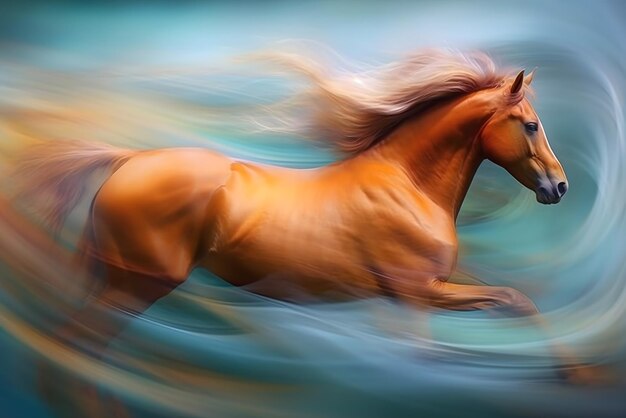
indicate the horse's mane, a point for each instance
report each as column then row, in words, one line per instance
column 344, row 106
column 358, row 109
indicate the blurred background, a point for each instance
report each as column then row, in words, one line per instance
column 157, row 74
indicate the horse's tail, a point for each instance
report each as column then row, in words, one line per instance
column 53, row 174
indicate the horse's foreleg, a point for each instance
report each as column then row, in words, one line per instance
column 463, row 297
column 471, row 297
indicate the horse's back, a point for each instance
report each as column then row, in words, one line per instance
column 149, row 216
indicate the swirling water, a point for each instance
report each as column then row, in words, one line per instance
column 141, row 75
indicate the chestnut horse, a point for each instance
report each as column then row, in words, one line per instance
column 381, row 222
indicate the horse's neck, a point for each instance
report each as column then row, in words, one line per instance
column 440, row 149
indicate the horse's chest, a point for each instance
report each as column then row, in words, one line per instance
column 411, row 239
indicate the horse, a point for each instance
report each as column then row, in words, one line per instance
column 381, row 221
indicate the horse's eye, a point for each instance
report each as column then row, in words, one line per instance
column 531, row 126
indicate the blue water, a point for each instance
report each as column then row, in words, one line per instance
column 249, row 356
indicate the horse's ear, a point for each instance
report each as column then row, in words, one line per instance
column 529, row 78
column 517, row 84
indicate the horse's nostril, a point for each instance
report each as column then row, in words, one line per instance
column 562, row 188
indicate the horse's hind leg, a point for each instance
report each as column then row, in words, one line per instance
column 109, row 309
column 115, row 287
column 105, row 314
column 122, row 293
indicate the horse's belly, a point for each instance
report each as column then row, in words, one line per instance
column 293, row 267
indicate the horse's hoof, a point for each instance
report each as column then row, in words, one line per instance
column 585, row 374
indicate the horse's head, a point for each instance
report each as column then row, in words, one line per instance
column 514, row 139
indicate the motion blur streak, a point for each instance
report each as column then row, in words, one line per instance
column 142, row 76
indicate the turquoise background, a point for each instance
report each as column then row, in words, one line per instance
column 355, row 359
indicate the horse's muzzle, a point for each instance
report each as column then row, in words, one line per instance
column 549, row 193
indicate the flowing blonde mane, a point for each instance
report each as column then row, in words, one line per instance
column 356, row 110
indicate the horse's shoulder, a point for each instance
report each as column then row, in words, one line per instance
column 398, row 210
